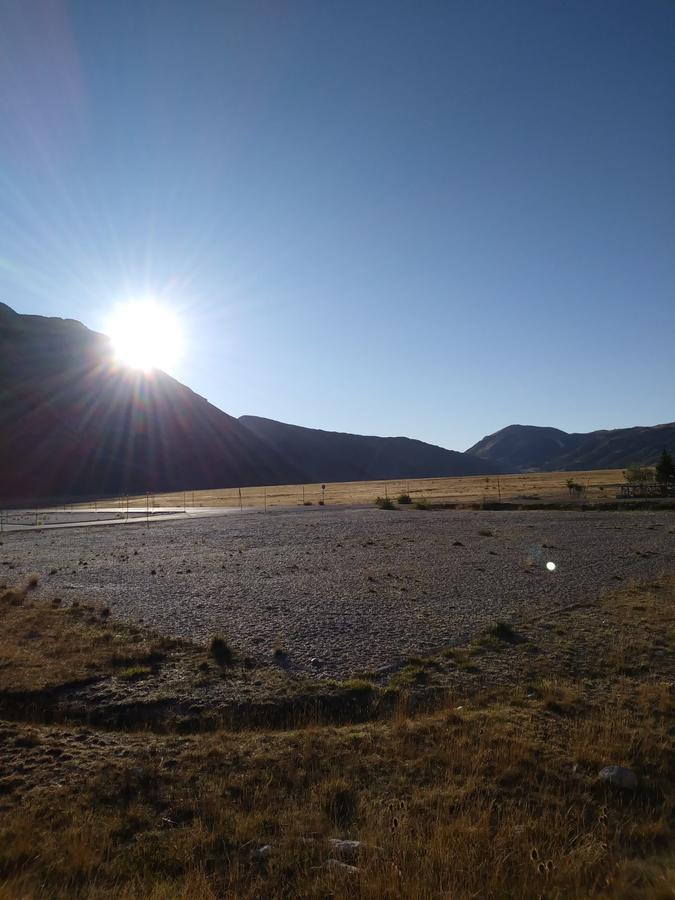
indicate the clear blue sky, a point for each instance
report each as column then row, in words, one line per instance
column 431, row 219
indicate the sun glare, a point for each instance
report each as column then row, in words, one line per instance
column 145, row 335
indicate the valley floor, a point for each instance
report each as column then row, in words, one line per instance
column 340, row 592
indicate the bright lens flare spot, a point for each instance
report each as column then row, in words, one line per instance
column 550, row 566
column 145, row 335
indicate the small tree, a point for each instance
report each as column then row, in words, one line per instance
column 574, row 487
column 665, row 470
column 638, row 475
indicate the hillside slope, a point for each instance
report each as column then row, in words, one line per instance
column 337, row 456
column 520, row 448
column 74, row 423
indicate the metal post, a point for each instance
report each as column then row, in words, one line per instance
column 265, row 496
column 303, row 495
column 147, row 509
column 240, row 503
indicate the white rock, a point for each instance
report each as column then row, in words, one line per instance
column 346, row 848
column 620, row 777
column 262, row 852
column 336, row 866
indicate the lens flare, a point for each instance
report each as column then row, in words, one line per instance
column 145, row 335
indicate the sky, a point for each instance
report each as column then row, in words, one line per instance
column 430, row 219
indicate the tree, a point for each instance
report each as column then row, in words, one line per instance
column 635, row 474
column 665, row 470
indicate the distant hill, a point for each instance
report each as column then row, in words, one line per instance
column 337, row 456
column 72, row 422
column 522, row 448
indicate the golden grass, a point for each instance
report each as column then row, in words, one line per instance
column 47, row 645
column 600, row 484
column 492, row 794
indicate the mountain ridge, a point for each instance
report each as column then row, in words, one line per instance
column 522, row 448
column 74, row 423
column 343, row 456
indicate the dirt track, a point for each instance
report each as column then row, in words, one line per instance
column 344, row 591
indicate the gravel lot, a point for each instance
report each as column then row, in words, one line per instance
column 343, row 591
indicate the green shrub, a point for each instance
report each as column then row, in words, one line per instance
column 133, row 673
column 404, row 498
column 384, row 503
column 423, row 503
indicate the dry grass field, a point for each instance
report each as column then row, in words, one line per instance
column 598, row 484
column 474, row 773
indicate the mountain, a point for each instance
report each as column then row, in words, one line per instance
column 74, row 423
column 523, row 448
column 336, row 456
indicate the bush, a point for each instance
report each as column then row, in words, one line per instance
column 423, row 503
column 404, row 498
column 221, row 651
column 384, row 503
column 574, row 488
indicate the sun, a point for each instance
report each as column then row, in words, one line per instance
column 145, row 335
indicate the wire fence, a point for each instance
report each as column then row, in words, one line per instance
column 527, row 487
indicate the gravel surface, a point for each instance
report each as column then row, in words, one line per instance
column 343, row 591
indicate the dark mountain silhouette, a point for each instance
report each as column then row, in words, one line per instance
column 522, row 448
column 336, row 456
column 73, row 423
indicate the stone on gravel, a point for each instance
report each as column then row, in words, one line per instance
column 620, row 777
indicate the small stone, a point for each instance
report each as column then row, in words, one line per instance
column 620, row 777
column 347, row 849
column 316, row 662
column 263, row 852
column 336, row 866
